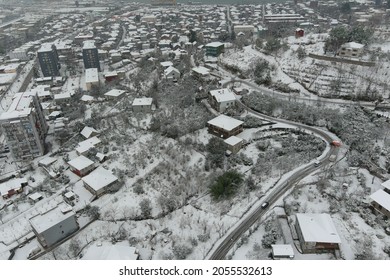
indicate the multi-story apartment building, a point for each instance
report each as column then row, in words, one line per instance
column 24, row 126
column 48, row 60
column 90, row 55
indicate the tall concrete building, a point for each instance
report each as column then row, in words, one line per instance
column 48, row 60
column 90, row 55
column 24, row 126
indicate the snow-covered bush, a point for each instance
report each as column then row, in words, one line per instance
column 181, row 251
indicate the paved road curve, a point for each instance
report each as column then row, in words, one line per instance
column 227, row 243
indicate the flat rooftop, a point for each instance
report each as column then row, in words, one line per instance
column 49, row 219
column 225, row 122
column 318, row 228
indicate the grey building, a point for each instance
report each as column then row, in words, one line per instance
column 90, row 55
column 24, row 126
column 54, row 225
column 48, row 60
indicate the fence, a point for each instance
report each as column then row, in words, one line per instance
column 342, row 60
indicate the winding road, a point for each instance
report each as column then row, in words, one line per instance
column 223, row 247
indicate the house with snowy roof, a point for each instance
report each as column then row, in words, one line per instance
column 351, row 49
column 143, row 104
column 234, row 144
column 84, row 146
column 171, row 74
column 99, row 181
column 222, row 99
column 317, row 233
column 108, row 251
column 81, row 165
column 224, row 126
column 114, row 94
column 380, row 200
column 54, row 225
column 200, row 72
column 13, row 186
column 89, row 132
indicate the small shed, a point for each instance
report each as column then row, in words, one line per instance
column 142, row 105
column 35, row 197
column 234, row 144
column 317, row 233
column 282, row 251
column 89, row 132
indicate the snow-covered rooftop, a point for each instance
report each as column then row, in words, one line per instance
column 45, row 48
column 214, row 44
column 386, row 184
column 282, row 250
column 166, row 63
column 201, row 70
column 382, row 198
column 87, row 98
column 35, row 196
column 353, row 45
column 233, row 140
column 225, row 122
column 223, row 95
column 89, row 44
column 91, row 75
column 80, row 162
column 87, row 144
column 62, row 96
column 99, row 178
column 11, row 185
column 115, row 93
column 171, row 69
column 49, row 219
column 109, row 251
column 47, row 161
column 87, row 132
column 145, row 101
column 318, row 228
column 20, row 106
